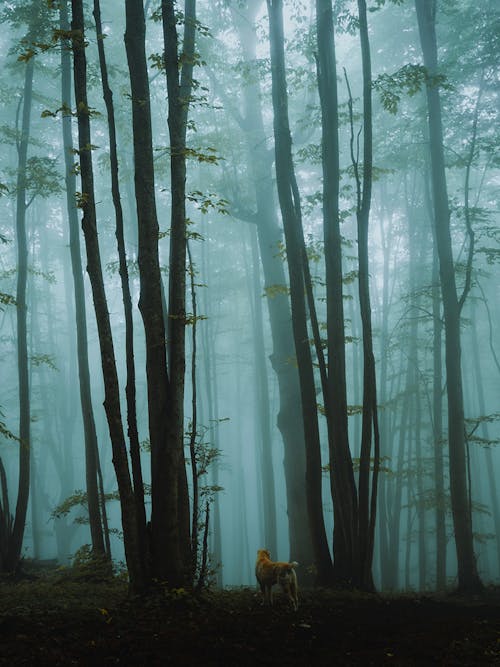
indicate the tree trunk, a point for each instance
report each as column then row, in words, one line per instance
column 266, row 472
column 110, row 375
column 468, row 578
column 367, row 484
column 387, row 432
column 290, row 210
column 89, row 429
column 130, row 389
column 343, row 486
column 179, row 72
column 270, row 237
column 212, row 412
column 485, row 433
column 16, row 536
column 437, row 414
column 165, row 554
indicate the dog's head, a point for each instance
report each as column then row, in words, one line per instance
column 263, row 554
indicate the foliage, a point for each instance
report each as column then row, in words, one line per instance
column 209, row 201
column 78, row 499
column 409, row 80
column 4, row 431
column 88, row 566
column 44, row 360
column 7, row 300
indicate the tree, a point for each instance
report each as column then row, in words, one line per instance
column 270, row 238
column 367, row 488
column 86, row 202
column 179, row 73
column 16, row 537
column 290, row 211
column 343, row 486
column 468, row 578
column 33, row 17
column 91, row 450
column 170, row 542
column 130, row 388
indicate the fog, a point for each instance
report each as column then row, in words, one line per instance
column 418, row 460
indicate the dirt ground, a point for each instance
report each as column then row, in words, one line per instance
column 58, row 620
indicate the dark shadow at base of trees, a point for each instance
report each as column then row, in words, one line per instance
column 70, row 617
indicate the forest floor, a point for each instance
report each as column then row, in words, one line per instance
column 66, row 620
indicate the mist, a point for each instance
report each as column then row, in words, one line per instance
column 309, row 358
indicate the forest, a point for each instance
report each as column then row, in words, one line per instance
column 249, row 268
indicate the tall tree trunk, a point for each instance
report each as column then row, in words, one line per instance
column 266, row 472
column 367, row 484
column 290, row 210
column 89, row 429
column 110, row 375
column 165, row 553
column 437, row 399
column 395, row 501
column 130, row 389
column 468, row 578
column 485, row 433
column 194, row 434
column 437, row 413
column 270, row 237
column 16, row 537
column 179, row 72
column 343, row 486
column 387, row 432
column 212, row 416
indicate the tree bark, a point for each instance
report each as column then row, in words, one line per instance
column 263, row 413
column 130, row 389
column 179, row 73
column 270, row 237
column 16, row 536
column 343, row 486
column 468, row 578
column 290, row 210
column 89, row 429
column 165, row 554
column 110, row 375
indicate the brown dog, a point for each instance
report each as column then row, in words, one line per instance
column 269, row 573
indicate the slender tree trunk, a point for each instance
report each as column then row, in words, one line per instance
column 367, row 483
column 290, row 209
column 262, row 392
column 397, row 496
column 386, row 428
column 437, row 425
column 130, row 389
column 165, row 549
column 212, row 393
column 179, row 72
column 89, row 429
column 110, row 375
column 485, row 433
column 195, row 474
column 270, row 237
column 437, row 402
column 468, row 578
column 6, row 519
column 16, row 537
column 343, row 486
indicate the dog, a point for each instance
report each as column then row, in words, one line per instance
column 269, row 573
